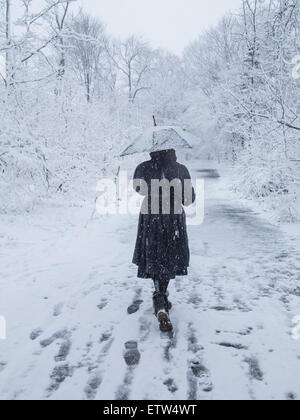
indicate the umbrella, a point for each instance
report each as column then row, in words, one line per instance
column 158, row 138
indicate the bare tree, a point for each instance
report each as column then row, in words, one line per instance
column 167, row 81
column 133, row 59
column 8, row 58
column 20, row 49
column 87, row 50
column 60, row 12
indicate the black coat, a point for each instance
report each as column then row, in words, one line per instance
column 162, row 249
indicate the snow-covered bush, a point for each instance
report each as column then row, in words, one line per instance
column 272, row 183
column 22, row 181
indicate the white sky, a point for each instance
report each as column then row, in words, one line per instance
column 170, row 24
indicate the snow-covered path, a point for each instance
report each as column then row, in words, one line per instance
column 65, row 289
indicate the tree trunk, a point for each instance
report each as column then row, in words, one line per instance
column 129, row 86
column 8, row 63
column 88, row 88
column 62, row 61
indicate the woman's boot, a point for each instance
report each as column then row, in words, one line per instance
column 162, row 305
column 165, row 324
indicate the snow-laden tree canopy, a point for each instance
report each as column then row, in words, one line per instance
column 72, row 97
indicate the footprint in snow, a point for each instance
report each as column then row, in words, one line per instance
column 170, row 384
column 58, row 376
column 132, row 355
column 105, row 337
column 221, row 309
column 2, row 366
column 58, row 335
column 102, row 304
column 58, row 309
column 291, row 396
column 233, row 346
column 134, row 307
column 93, row 385
column 36, row 334
column 64, row 351
column 198, row 378
column 255, row 371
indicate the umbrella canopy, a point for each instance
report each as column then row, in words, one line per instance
column 158, row 138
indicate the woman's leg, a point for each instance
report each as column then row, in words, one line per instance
column 160, row 296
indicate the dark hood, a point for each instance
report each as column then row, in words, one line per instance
column 164, row 157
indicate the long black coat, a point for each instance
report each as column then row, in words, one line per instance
column 162, row 249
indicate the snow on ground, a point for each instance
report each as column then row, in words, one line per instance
column 66, row 282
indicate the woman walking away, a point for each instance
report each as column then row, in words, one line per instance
column 162, row 250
